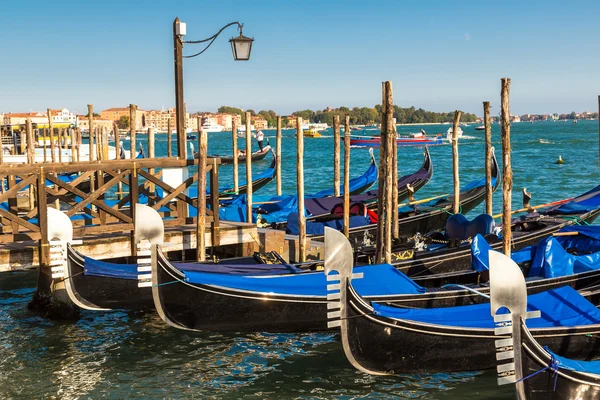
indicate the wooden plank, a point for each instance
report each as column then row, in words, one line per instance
column 214, row 200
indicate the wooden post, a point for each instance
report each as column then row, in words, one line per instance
column 117, row 141
column 72, row 135
column 58, row 145
column 169, row 139
column 234, row 147
column 132, row 127
column 278, row 155
column 394, row 182
column 51, row 136
column 488, row 157
column 507, row 175
column 598, row 128
column 92, row 150
column 201, row 200
column 105, row 143
column 300, row 192
column 455, row 125
column 45, row 145
column 79, row 144
column 151, row 154
column 346, row 169
column 384, row 225
column 30, row 159
column 336, row 155
column 248, row 169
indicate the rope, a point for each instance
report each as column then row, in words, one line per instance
column 168, row 283
column 553, row 366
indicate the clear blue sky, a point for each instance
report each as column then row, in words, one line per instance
column 440, row 55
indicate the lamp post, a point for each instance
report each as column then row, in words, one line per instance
column 241, row 47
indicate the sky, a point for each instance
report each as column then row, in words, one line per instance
column 439, row 55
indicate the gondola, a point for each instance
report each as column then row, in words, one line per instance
column 256, row 156
column 454, row 253
column 536, row 371
column 383, row 339
column 215, row 291
column 276, row 210
column 423, row 217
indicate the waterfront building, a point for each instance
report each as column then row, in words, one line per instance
column 259, row 122
column 115, row 114
column 83, row 123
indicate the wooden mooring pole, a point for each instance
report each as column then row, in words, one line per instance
column 488, row 158
column 92, row 151
column 248, row 169
column 599, row 128
column 278, row 155
column 51, row 135
column 394, row 142
column 384, row 225
column 507, row 175
column 30, row 159
column 346, row 171
column 300, row 191
column 201, row 200
column 132, row 127
column 169, row 139
column 234, row 148
column 151, row 154
column 336, row 155
column 455, row 172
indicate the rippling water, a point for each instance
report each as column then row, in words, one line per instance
column 134, row 355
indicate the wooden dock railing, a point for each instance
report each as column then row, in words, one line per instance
column 81, row 188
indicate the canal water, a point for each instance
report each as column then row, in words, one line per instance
column 122, row 354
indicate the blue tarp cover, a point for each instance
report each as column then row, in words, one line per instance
column 318, row 228
column 129, row 271
column 591, row 367
column 378, row 280
column 279, row 207
column 563, row 306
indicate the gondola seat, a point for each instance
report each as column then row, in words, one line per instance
column 458, row 227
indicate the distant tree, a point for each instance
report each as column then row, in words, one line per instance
column 95, row 114
column 123, row 122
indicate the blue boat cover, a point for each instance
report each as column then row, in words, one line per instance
column 278, row 208
column 586, row 202
column 378, row 280
column 318, row 228
column 591, row 367
column 129, row 271
column 563, row 306
column 480, row 257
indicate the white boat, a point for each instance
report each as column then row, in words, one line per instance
column 65, row 155
column 212, row 127
column 449, row 132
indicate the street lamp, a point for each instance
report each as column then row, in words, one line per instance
column 240, row 46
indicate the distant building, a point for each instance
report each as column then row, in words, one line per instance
column 83, row 123
column 115, row 114
column 259, row 123
column 60, row 118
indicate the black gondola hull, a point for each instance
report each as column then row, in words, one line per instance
column 205, row 307
column 400, row 346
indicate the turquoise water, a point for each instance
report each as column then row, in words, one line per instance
column 133, row 355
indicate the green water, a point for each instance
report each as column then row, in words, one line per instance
column 119, row 354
